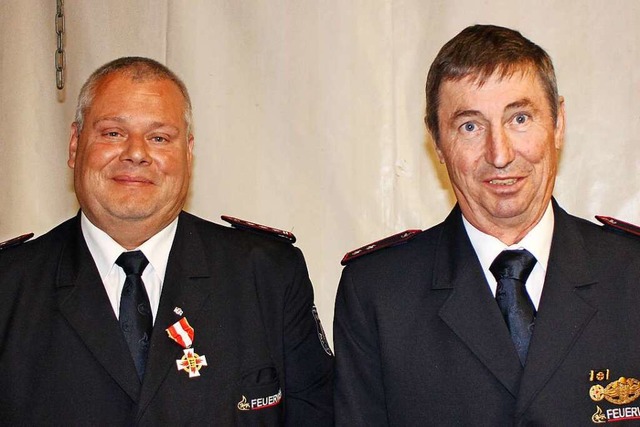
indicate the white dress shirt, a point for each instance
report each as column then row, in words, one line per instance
column 105, row 251
column 537, row 241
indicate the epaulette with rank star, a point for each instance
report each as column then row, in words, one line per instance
column 15, row 241
column 387, row 242
column 259, row 228
column 619, row 226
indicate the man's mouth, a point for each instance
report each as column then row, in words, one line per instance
column 128, row 179
column 508, row 181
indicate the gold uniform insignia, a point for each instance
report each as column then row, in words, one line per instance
column 599, row 417
column 596, row 393
column 243, row 405
column 620, row 392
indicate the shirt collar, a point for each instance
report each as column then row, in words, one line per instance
column 537, row 241
column 105, row 250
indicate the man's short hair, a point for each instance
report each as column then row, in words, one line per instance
column 480, row 51
column 138, row 68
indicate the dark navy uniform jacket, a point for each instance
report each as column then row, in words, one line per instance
column 65, row 362
column 420, row 340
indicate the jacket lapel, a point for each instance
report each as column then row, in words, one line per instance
column 187, row 285
column 482, row 327
column 563, row 314
column 84, row 303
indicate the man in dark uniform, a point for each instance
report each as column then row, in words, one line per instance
column 135, row 312
column 511, row 311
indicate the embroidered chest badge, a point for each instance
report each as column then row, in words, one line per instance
column 183, row 334
column 262, row 402
column 622, row 391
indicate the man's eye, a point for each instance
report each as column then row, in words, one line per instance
column 112, row 134
column 159, row 139
column 521, row 119
column 469, row 127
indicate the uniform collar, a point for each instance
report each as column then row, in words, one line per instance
column 105, row 250
column 537, row 241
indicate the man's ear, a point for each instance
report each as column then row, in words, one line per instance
column 435, row 142
column 73, row 145
column 559, row 132
column 190, row 143
column 437, row 148
column 439, row 153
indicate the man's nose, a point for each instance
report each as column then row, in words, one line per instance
column 499, row 150
column 136, row 150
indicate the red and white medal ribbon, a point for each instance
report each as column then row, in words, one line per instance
column 182, row 333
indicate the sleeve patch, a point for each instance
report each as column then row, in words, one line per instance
column 321, row 335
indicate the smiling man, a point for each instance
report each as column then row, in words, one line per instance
column 511, row 311
column 131, row 151
column 138, row 313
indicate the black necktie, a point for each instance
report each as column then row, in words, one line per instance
column 511, row 270
column 135, row 309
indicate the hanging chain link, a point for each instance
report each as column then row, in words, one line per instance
column 59, row 56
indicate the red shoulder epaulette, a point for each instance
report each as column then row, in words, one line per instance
column 387, row 242
column 616, row 224
column 259, row 228
column 15, row 241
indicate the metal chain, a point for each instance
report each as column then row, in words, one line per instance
column 59, row 56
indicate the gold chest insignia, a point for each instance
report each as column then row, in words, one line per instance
column 620, row 392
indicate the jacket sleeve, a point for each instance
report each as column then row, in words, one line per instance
column 359, row 393
column 308, row 360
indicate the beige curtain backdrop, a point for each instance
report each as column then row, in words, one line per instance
column 309, row 113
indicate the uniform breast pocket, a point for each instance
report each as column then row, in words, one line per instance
column 260, row 398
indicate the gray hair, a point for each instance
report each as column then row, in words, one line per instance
column 138, row 68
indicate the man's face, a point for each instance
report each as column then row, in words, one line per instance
column 132, row 159
column 500, row 145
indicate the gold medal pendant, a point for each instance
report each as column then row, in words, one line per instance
column 183, row 334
